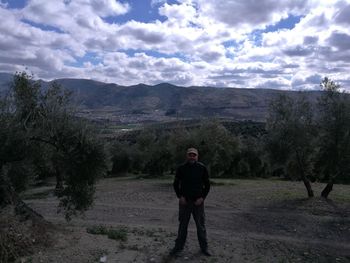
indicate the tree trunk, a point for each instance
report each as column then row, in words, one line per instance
column 306, row 181
column 307, row 184
column 8, row 196
column 59, row 182
column 327, row 189
column 16, row 242
column 6, row 192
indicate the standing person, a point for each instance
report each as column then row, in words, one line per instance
column 192, row 186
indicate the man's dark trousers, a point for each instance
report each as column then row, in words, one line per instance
column 185, row 212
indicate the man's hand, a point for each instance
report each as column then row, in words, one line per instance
column 182, row 201
column 199, row 201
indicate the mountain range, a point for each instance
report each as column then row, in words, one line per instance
column 166, row 102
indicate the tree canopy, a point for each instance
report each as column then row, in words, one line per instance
column 40, row 137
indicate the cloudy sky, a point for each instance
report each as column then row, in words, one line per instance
column 285, row 44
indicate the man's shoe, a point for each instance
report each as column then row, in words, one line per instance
column 206, row 252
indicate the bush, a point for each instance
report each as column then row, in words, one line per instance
column 119, row 233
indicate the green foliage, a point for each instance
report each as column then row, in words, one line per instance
column 180, row 140
column 217, row 147
column 119, row 233
column 18, row 173
column 158, row 162
column 157, row 153
column 97, row 230
column 13, row 139
column 40, row 137
column 26, row 97
column 121, row 161
column 252, row 161
column 294, row 143
column 291, row 134
column 311, row 147
column 84, row 162
column 333, row 148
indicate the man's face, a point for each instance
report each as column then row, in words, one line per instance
column 192, row 157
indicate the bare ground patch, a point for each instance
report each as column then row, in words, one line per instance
column 247, row 221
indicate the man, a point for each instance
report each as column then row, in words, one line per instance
column 192, row 186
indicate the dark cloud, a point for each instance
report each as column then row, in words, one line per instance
column 238, row 82
column 340, row 41
column 236, row 12
column 298, row 51
column 237, row 73
column 85, row 22
column 229, row 72
column 328, row 67
column 291, row 66
column 271, row 84
column 313, row 81
column 179, row 79
column 147, row 36
column 109, row 43
column 339, row 56
column 345, row 83
column 270, row 76
column 210, row 56
column 264, row 71
column 9, row 68
column 318, row 21
column 232, row 77
column 310, row 40
column 343, row 16
column 137, row 64
column 40, row 59
column 6, row 45
column 172, row 68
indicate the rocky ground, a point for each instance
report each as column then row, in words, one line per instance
column 247, row 221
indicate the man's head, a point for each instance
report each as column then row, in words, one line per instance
column 192, row 155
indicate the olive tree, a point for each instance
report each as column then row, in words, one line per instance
column 41, row 122
column 333, row 156
column 290, row 137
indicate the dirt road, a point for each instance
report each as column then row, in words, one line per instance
column 247, row 221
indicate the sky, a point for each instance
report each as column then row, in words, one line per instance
column 286, row 44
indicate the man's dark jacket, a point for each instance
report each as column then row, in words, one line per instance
column 192, row 181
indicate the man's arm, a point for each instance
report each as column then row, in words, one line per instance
column 176, row 183
column 206, row 183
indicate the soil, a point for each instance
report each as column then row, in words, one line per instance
column 247, row 221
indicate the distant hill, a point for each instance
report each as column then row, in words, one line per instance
column 165, row 102
column 5, row 80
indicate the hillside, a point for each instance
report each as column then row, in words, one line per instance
column 165, row 102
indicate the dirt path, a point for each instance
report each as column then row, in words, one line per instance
column 247, row 221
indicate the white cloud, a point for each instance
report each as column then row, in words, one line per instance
column 105, row 8
column 180, row 15
column 198, row 42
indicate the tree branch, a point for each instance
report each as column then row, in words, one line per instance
column 38, row 139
